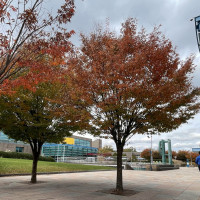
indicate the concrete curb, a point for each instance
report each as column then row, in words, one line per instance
column 49, row 173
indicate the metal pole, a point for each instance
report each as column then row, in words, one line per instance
column 131, row 155
column 151, row 162
column 57, row 151
column 63, row 152
column 169, row 152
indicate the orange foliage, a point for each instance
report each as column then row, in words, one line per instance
column 146, row 154
column 136, row 81
column 192, row 155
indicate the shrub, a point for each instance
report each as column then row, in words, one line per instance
column 49, row 159
column 23, row 156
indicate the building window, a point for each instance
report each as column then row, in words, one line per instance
column 81, row 142
column 19, row 149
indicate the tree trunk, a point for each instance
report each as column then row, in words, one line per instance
column 119, row 184
column 34, row 167
column 36, row 147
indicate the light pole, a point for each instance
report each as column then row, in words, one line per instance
column 151, row 155
column 131, row 156
column 191, row 158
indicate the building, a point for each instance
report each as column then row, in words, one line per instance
column 97, row 143
column 74, row 146
column 10, row 145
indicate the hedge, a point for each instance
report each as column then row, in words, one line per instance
column 23, row 156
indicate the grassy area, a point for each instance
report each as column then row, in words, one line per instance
column 20, row 166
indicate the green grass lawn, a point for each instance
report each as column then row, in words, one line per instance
column 20, row 166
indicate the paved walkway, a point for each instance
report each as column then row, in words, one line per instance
column 182, row 184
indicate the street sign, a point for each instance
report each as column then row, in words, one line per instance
column 197, row 29
column 196, row 149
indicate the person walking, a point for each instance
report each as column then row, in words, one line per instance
column 197, row 160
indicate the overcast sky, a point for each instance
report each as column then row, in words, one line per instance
column 174, row 16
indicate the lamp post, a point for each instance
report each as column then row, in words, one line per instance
column 131, row 156
column 151, row 155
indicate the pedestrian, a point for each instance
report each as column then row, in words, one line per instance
column 197, row 161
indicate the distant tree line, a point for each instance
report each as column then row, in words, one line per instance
column 182, row 155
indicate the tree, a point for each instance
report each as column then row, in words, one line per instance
column 106, row 149
column 36, row 118
column 183, row 155
column 135, row 83
column 29, row 21
column 40, row 105
column 156, row 155
column 174, row 154
column 192, row 156
column 33, row 46
column 146, row 154
column 134, row 158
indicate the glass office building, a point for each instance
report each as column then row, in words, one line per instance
column 67, row 150
column 71, row 147
column 80, row 142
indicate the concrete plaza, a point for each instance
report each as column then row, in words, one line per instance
column 183, row 184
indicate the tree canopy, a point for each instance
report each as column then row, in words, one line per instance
column 29, row 116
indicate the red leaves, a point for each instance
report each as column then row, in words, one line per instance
column 35, row 24
column 30, row 18
column 66, row 12
column 14, row 9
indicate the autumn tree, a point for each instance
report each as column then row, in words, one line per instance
column 25, row 22
column 182, row 155
column 39, row 104
column 135, row 83
column 39, row 116
column 192, row 156
column 174, row 154
column 156, row 155
column 33, row 45
column 146, row 154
